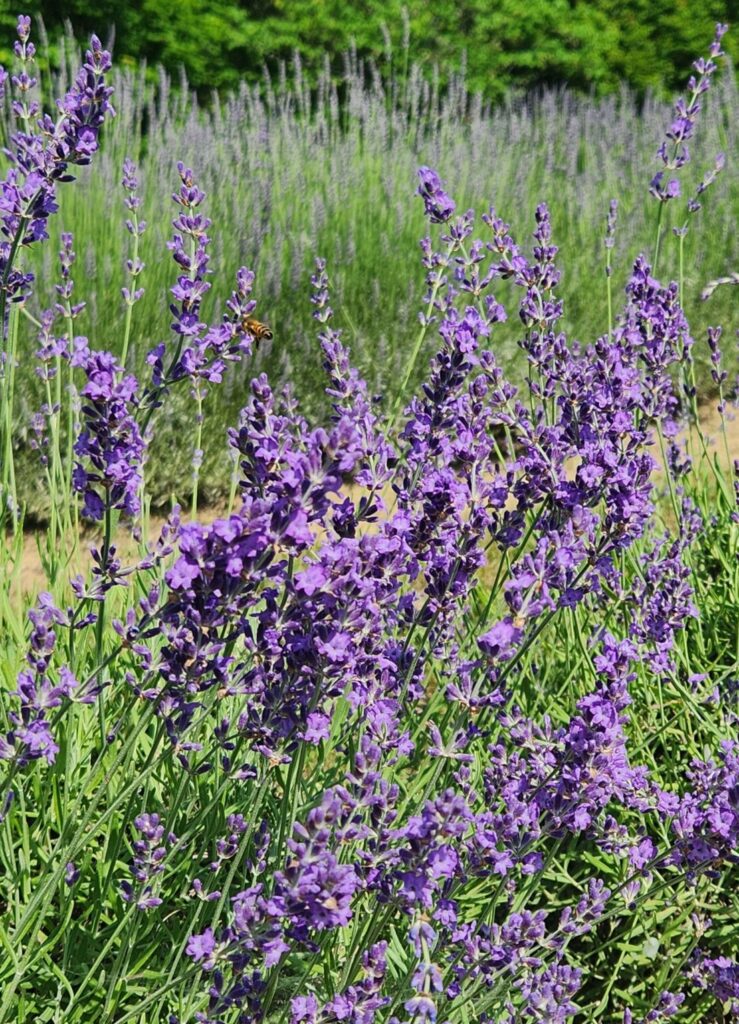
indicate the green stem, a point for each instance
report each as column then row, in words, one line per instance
column 658, row 238
column 421, row 337
column 100, row 624
column 9, row 494
column 198, row 453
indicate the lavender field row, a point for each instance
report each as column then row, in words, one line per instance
column 436, row 720
column 292, row 172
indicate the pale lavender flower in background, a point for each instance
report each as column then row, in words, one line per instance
column 674, row 152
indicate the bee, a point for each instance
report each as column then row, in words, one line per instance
column 258, row 330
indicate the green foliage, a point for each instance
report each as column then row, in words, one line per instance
column 588, row 44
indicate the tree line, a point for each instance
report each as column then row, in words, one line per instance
column 504, row 44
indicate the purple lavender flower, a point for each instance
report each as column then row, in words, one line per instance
column 110, row 448
column 314, row 890
column 40, row 159
column 351, row 400
column 201, row 947
column 439, row 206
column 148, row 862
column 39, row 690
column 674, row 152
column 718, row 975
column 358, row 1004
column 705, row 819
column 201, row 352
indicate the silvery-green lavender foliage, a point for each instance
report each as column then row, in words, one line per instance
column 394, row 739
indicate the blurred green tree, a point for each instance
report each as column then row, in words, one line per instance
column 504, row 44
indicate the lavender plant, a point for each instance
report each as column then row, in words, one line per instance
column 438, row 721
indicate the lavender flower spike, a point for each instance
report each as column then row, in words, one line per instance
column 439, row 206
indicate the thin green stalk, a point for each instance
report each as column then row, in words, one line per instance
column 100, row 624
column 9, row 495
column 416, row 350
column 658, row 238
column 197, row 458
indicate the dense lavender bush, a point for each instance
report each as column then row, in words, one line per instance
column 437, row 721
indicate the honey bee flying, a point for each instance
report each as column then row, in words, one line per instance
column 258, row 330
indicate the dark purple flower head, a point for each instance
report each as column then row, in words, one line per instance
column 40, row 688
column 148, row 862
column 718, row 975
column 439, row 206
column 314, row 890
column 669, row 1004
column 110, row 448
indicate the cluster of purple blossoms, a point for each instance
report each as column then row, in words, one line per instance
column 366, row 613
column 313, row 892
column 718, row 975
column 150, row 853
column 518, row 964
column 110, row 448
column 327, row 629
column 662, row 597
column 554, row 781
column 668, row 1006
column 357, row 1004
column 42, row 151
column 704, row 821
column 40, row 689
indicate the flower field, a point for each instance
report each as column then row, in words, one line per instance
column 291, row 173
column 434, row 717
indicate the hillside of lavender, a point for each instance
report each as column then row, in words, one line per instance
column 434, row 719
column 294, row 172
